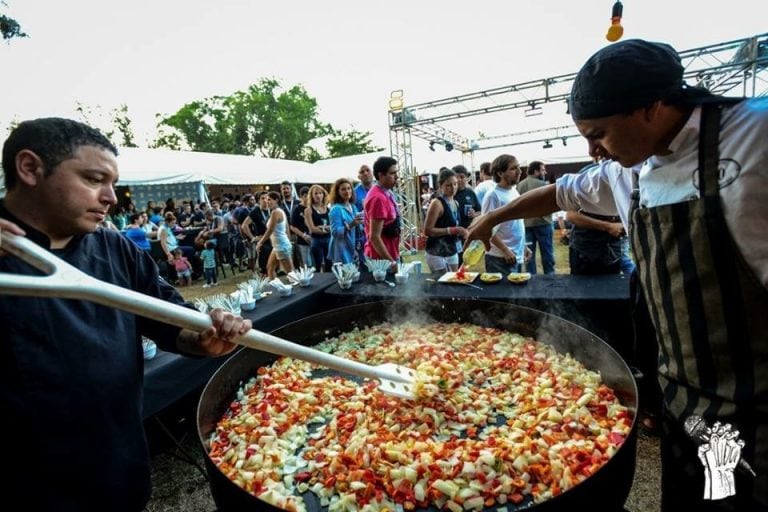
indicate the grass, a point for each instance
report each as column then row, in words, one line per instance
column 226, row 285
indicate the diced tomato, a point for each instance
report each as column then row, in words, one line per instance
column 616, row 438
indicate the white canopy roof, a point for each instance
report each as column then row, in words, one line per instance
column 140, row 166
column 341, row 167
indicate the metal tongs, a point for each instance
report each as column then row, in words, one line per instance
column 65, row 281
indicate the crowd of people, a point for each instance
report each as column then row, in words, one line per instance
column 270, row 232
column 600, row 244
column 274, row 232
column 680, row 170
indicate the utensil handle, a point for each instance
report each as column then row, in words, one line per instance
column 66, row 281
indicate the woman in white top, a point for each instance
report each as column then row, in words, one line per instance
column 277, row 233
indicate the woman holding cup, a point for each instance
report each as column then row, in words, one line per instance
column 345, row 220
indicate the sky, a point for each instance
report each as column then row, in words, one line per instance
column 157, row 55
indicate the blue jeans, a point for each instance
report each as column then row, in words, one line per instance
column 306, row 256
column 542, row 235
column 210, row 275
column 319, row 252
column 497, row 264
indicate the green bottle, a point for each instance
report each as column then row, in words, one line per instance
column 474, row 253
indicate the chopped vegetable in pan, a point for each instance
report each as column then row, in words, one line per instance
column 500, row 419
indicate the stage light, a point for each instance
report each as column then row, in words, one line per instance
column 547, row 144
column 615, row 31
column 396, row 100
column 448, row 146
column 432, row 146
column 565, row 141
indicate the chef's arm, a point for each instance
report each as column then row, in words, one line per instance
column 534, row 203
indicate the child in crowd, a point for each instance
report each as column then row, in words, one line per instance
column 183, row 268
column 208, row 255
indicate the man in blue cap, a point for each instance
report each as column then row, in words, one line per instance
column 688, row 172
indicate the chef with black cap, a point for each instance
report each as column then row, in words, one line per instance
column 688, row 172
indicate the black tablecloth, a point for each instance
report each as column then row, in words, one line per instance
column 169, row 377
column 554, row 286
column 600, row 304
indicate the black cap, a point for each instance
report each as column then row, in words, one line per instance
column 624, row 76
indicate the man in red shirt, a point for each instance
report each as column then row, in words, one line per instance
column 382, row 218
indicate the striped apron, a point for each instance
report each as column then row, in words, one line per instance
column 711, row 317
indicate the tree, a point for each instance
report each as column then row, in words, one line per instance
column 353, row 142
column 167, row 137
column 122, row 123
column 116, row 127
column 262, row 119
column 9, row 27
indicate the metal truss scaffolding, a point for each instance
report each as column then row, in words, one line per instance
column 732, row 68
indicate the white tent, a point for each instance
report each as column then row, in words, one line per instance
column 139, row 166
column 153, row 168
column 331, row 169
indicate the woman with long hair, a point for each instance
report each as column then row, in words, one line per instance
column 442, row 226
column 318, row 221
column 345, row 220
column 277, row 233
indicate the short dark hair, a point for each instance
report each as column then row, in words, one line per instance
column 382, row 165
column 273, row 195
column 303, row 190
column 53, row 139
column 460, row 169
column 134, row 217
column 534, row 167
column 485, row 168
column 499, row 166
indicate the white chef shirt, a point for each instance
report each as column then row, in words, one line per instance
column 673, row 179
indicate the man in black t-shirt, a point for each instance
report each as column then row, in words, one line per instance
column 469, row 206
column 253, row 228
column 301, row 231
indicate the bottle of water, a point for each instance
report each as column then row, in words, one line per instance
column 474, row 253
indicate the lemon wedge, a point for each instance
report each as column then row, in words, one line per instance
column 519, row 277
column 490, row 277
